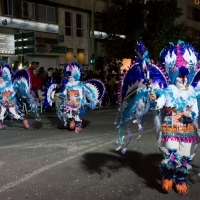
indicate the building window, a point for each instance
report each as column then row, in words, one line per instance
column 68, row 23
column 99, row 21
column 196, row 33
column 69, row 56
column 197, row 15
column 8, row 7
column 46, row 13
column 28, row 10
column 197, row 36
column 79, row 24
column 189, row 12
column 80, row 56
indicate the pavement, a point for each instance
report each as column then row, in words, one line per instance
column 51, row 162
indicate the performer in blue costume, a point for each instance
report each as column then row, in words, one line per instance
column 11, row 84
column 76, row 95
column 171, row 91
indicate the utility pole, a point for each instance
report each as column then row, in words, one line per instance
column 92, row 27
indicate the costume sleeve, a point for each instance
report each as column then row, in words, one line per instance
column 161, row 102
column 194, row 110
column 91, row 96
column 62, row 94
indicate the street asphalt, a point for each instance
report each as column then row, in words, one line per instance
column 51, row 162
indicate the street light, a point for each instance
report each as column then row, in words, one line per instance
column 92, row 27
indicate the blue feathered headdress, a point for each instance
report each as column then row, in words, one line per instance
column 73, row 69
column 180, row 59
column 6, row 71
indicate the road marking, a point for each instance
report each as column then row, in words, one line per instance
column 42, row 143
column 47, row 167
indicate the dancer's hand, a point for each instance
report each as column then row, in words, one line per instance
column 179, row 127
column 177, row 123
column 57, row 94
column 5, row 99
column 186, row 114
column 152, row 96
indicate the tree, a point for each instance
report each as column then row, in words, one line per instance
column 125, row 20
column 154, row 21
column 161, row 27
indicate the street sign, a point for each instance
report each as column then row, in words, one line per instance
column 18, row 44
column 17, row 36
column 25, row 43
column 29, row 43
column 27, row 35
column 60, row 38
column 29, row 50
column 18, row 51
column 24, row 35
column 24, row 51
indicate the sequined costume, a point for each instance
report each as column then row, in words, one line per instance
column 7, row 94
column 76, row 95
column 171, row 91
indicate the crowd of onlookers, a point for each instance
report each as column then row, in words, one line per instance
column 110, row 78
column 39, row 77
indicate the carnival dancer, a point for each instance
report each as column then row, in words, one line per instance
column 76, row 95
column 175, row 109
column 7, row 101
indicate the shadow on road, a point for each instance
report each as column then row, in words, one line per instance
column 55, row 122
column 145, row 166
column 37, row 124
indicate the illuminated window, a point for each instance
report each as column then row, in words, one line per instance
column 79, row 25
column 68, row 23
column 69, row 56
column 80, row 56
column 8, row 7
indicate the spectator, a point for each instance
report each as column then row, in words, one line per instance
column 31, row 68
column 40, row 93
column 37, row 65
column 36, row 80
column 26, row 65
column 89, row 75
column 96, row 74
column 16, row 65
column 57, row 99
column 41, row 73
column 49, row 77
column 59, row 78
column 56, row 74
column 112, row 81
